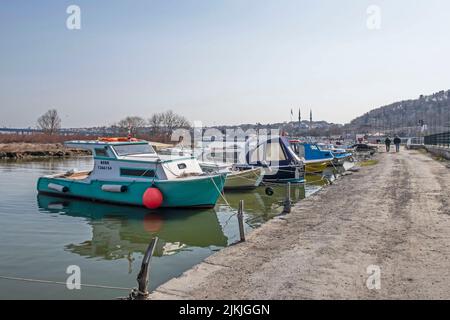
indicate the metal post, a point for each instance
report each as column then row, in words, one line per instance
column 240, row 216
column 287, row 202
column 143, row 277
column 224, row 149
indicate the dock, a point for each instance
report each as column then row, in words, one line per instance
column 394, row 215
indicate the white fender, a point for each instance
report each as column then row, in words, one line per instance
column 114, row 188
column 58, row 187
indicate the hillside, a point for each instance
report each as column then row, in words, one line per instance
column 406, row 117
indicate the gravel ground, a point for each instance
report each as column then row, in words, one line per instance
column 394, row 215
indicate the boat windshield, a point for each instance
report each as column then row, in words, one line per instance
column 133, row 149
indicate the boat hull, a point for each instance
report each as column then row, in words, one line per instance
column 284, row 174
column 317, row 167
column 244, row 180
column 180, row 193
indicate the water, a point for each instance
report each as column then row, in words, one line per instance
column 40, row 236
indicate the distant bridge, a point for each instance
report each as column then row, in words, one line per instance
column 20, row 130
column 27, row 131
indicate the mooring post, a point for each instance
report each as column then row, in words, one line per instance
column 241, row 220
column 143, row 277
column 287, row 200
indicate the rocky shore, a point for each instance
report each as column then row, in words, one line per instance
column 37, row 150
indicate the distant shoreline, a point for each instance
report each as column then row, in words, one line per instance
column 16, row 151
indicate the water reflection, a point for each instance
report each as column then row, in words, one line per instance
column 119, row 231
column 260, row 203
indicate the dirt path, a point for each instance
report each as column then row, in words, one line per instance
column 394, row 215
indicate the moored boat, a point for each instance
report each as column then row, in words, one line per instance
column 130, row 172
column 340, row 155
column 276, row 157
column 316, row 160
column 238, row 177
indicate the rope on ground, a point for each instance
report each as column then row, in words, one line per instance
column 63, row 283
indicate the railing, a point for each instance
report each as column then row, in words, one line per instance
column 439, row 140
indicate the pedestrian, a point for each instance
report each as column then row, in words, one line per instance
column 387, row 142
column 397, row 142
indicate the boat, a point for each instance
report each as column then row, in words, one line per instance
column 278, row 160
column 315, row 159
column 238, row 177
column 340, row 155
column 130, row 172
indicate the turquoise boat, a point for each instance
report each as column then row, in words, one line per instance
column 125, row 169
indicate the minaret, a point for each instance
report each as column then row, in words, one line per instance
column 299, row 118
column 310, row 118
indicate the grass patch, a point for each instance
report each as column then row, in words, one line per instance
column 368, row 163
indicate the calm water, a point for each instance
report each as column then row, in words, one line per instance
column 40, row 236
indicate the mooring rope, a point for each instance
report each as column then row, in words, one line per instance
column 220, row 192
column 63, row 283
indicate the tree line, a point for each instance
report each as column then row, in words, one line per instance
column 159, row 124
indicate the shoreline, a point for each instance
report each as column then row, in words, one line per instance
column 21, row 151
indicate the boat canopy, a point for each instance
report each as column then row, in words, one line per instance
column 275, row 149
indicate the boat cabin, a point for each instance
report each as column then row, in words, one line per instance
column 134, row 160
column 310, row 151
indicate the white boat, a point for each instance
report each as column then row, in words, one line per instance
column 238, row 177
column 129, row 171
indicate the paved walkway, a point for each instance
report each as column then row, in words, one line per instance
column 395, row 215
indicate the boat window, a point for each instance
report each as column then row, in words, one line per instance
column 147, row 173
column 274, row 152
column 182, row 166
column 101, row 152
column 299, row 149
column 268, row 152
column 258, row 154
column 130, row 149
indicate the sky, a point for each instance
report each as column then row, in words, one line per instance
column 217, row 61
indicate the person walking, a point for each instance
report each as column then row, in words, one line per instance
column 388, row 142
column 397, row 142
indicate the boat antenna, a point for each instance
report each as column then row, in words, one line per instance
column 129, row 132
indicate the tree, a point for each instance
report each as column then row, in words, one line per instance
column 49, row 122
column 132, row 124
column 155, row 123
column 168, row 121
column 173, row 121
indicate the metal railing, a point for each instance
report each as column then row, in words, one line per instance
column 439, row 140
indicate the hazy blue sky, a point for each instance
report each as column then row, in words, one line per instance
column 218, row 61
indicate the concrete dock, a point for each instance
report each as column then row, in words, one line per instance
column 394, row 215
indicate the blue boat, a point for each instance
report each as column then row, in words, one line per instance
column 280, row 163
column 340, row 155
column 315, row 159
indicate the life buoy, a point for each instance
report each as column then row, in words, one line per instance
column 117, row 139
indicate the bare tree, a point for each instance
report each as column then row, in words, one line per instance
column 171, row 121
column 155, row 123
column 49, row 122
column 131, row 123
column 167, row 122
